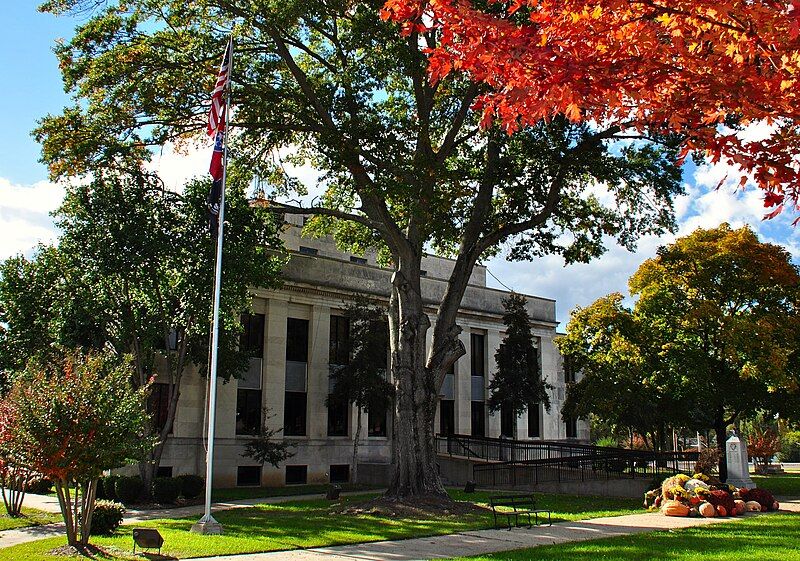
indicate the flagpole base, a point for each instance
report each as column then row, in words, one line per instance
column 207, row 526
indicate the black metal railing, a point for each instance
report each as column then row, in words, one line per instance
column 520, row 463
column 582, row 468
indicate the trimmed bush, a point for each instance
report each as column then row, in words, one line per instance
column 107, row 517
column 166, row 489
column 128, row 489
column 192, row 486
column 109, row 483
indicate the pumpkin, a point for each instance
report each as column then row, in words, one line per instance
column 776, row 505
column 741, row 508
column 675, row 508
column 657, row 502
column 721, row 510
column 753, row 506
column 707, row 510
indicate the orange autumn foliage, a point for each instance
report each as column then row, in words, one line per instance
column 665, row 66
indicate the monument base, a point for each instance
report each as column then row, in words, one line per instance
column 747, row 483
column 210, row 528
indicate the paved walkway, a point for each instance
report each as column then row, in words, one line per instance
column 480, row 542
column 476, row 542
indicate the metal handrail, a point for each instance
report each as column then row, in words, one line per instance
column 513, row 462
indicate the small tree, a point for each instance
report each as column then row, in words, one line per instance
column 264, row 448
column 73, row 419
column 363, row 380
column 13, row 477
column 518, row 380
column 762, row 445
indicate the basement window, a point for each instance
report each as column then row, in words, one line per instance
column 308, row 250
column 296, row 475
column 340, row 473
column 248, row 476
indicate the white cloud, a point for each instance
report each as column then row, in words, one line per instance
column 25, row 215
column 703, row 206
column 175, row 166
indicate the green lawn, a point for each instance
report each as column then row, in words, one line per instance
column 312, row 524
column 30, row 517
column 761, row 538
column 783, row 484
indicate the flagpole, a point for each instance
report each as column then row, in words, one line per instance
column 207, row 524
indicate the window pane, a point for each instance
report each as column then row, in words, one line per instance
column 477, row 354
column 376, row 421
column 339, row 346
column 478, row 418
column 252, row 338
column 297, row 340
column 507, row 420
column 382, row 340
column 534, row 421
column 248, row 411
column 447, row 417
column 572, row 427
column 338, row 413
column 294, row 414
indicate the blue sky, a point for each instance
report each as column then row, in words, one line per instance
column 27, row 198
column 33, row 86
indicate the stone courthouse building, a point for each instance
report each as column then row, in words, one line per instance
column 298, row 331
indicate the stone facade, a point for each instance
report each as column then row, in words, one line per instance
column 318, row 282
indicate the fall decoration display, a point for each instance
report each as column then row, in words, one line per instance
column 723, row 501
column 761, row 496
column 707, row 510
column 753, row 506
column 701, row 495
column 675, row 508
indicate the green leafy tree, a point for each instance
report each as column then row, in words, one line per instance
column 267, row 447
column 133, row 271
column 363, row 381
column 72, row 419
column 712, row 337
column 517, row 383
column 623, row 383
column 405, row 164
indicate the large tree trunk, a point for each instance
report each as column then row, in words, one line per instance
column 356, row 440
column 722, row 434
column 415, row 469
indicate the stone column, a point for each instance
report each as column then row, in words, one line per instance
column 552, row 426
column 274, row 373
column 319, row 334
column 463, row 398
column 492, row 343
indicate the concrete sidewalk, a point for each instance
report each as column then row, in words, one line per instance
column 480, row 542
column 476, row 542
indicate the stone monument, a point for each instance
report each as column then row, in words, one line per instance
column 738, row 470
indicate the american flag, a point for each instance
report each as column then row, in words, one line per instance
column 216, row 129
column 216, row 115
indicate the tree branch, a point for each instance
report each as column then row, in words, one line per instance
column 449, row 142
column 281, row 208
